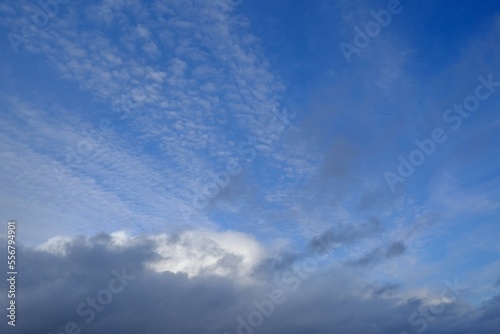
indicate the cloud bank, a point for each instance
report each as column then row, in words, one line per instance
column 106, row 283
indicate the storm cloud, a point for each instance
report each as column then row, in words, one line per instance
column 57, row 285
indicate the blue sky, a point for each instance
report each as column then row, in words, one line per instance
column 244, row 125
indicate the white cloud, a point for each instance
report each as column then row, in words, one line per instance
column 194, row 252
column 56, row 245
column 204, row 252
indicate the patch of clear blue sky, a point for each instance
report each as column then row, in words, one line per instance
column 440, row 36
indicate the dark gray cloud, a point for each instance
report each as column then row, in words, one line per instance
column 348, row 233
column 386, row 289
column 379, row 254
column 374, row 256
column 51, row 288
column 395, row 249
column 342, row 234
